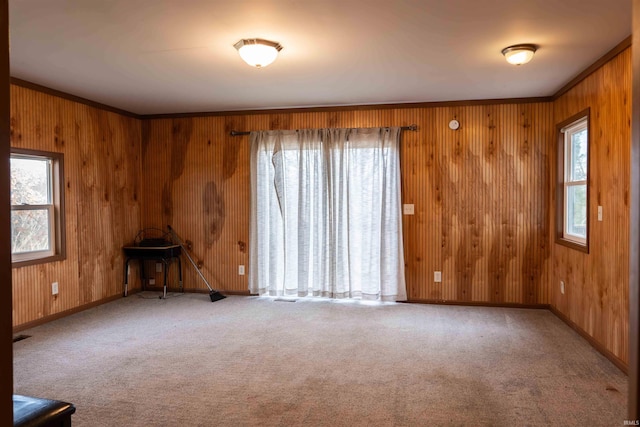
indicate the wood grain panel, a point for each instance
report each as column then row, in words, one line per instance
column 633, row 401
column 597, row 284
column 102, row 190
column 195, row 182
column 479, row 194
column 483, row 199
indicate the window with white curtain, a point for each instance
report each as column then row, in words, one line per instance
column 326, row 214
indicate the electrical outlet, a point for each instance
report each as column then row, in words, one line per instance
column 152, row 281
column 408, row 209
column 54, row 288
column 241, row 270
column 158, row 267
column 562, row 287
column 437, row 276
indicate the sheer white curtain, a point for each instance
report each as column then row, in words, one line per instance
column 326, row 214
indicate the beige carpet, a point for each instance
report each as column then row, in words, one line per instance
column 242, row 361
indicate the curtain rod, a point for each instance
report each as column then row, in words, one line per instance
column 240, row 133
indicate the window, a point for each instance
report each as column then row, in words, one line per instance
column 572, row 194
column 37, row 214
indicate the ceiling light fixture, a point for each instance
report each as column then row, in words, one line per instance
column 258, row 52
column 519, row 54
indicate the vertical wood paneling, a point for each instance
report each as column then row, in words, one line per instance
column 633, row 401
column 102, row 207
column 483, row 196
column 597, row 286
column 480, row 210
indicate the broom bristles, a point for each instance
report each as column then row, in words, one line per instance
column 216, row 296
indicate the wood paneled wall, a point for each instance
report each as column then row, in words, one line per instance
column 597, row 284
column 483, row 199
column 102, row 200
column 633, row 401
column 480, row 194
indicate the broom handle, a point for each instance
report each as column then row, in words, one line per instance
column 175, row 236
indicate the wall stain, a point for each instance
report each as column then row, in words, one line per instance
column 167, row 203
column 213, row 212
column 181, row 131
column 230, row 152
column 231, row 145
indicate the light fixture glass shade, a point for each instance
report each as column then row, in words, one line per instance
column 258, row 52
column 519, row 54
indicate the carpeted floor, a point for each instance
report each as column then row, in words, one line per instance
column 243, row 361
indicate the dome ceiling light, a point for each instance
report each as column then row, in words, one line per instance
column 258, row 52
column 519, row 54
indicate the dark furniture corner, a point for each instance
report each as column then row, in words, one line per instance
column 163, row 251
column 37, row 412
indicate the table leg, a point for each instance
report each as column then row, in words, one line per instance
column 166, row 267
column 180, row 273
column 126, row 276
column 142, row 275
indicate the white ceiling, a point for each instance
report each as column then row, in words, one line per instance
column 177, row 56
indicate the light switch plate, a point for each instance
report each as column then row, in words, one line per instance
column 408, row 209
column 599, row 213
column 437, row 276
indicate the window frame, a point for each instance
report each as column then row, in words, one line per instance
column 57, row 252
column 563, row 183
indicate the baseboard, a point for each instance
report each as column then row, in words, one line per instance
column 478, row 303
column 194, row 290
column 65, row 313
column 624, row 367
column 206, row 291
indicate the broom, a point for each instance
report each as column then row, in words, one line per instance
column 213, row 294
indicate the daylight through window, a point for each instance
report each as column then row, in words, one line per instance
column 36, row 214
column 574, row 138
